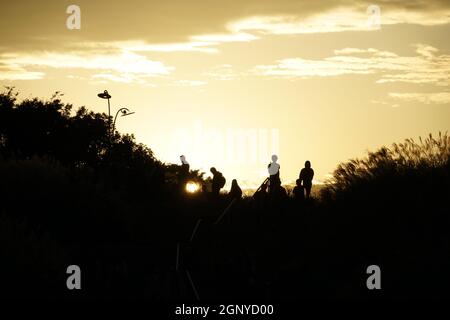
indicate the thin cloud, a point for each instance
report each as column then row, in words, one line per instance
column 124, row 66
column 426, row 67
column 225, row 37
column 194, row 46
column 426, row 98
column 341, row 19
column 222, row 72
column 206, row 43
column 14, row 74
column 120, row 78
column 127, row 62
column 189, row 83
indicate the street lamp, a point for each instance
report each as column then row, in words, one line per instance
column 106, row 95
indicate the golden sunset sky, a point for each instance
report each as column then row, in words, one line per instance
column 227, row 83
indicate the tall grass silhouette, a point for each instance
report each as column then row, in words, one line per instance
column 401, row 160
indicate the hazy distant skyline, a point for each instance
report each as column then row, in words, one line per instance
column 317, row 80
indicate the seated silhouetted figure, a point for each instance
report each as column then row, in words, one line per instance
column 274, row 174
column 306, row 176
column 299, row 191
column 235, row 190
column 218, row 181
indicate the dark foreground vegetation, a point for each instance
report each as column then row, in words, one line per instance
column 71, row 194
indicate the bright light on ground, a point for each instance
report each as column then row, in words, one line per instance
column 192, row 187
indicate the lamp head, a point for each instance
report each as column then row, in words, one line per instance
column 104, row 95
column 126, row 112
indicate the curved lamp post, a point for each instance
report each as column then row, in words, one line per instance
column 125, row 112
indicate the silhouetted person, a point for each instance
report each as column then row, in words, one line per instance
column 184, row 171
column 218, row 181
column 306, row 176
column 299, row 191
column 235, row 190
column 274, row 174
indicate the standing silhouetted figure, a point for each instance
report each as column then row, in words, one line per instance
column 183, row 173
column 235, row 190
column 218, row 181
column 274, row 174
column 306, row 176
